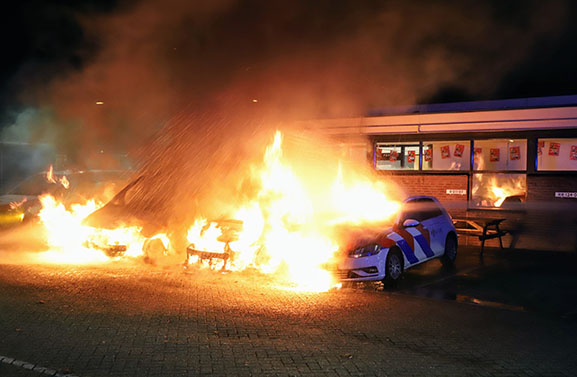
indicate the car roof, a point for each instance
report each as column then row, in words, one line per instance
column 421, row 197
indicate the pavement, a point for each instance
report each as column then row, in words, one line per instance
column 127, row 319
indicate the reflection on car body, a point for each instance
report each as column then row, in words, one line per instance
column 422, row 231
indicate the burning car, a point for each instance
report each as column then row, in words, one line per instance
column 422, row 231
column 22, row 203
column 229, row 232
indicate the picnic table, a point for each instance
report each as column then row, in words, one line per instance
column 483, row 227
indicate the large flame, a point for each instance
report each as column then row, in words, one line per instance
column 72, row 242
column 286, row 228
column 285, row 231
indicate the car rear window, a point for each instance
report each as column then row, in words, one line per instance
column 421, row 209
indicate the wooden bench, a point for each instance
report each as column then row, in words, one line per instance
column 483, row 228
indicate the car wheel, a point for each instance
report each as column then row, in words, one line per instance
column 393, row 267
column 450, row 254
column 153, row 250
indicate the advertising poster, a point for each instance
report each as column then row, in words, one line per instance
column 573, row 153
column 554, row 149
column 379, row 154
column 494, row 156
column 514, row 153
column 411, row 157
column 459, row 149
column 393, row 156
column 428, row 154
column 445, row 151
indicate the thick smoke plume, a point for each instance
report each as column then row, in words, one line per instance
column 187, row 85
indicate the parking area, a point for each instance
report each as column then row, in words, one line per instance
column 133, row 320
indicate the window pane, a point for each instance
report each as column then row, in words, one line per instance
column 500, row 154
column 492, row 190
column 397, row 156
column 557, row 154
column 446, row 155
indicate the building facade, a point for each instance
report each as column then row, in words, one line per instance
column 512, row 159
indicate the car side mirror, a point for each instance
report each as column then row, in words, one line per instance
column 408, row 223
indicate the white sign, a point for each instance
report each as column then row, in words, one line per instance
column 456, row 192
column 572, row 195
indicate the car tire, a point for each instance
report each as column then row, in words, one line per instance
column 450, row 254
column 393, row 267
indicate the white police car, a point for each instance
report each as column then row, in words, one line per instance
column 422, row 231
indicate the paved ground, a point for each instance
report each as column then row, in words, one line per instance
column 129, row 320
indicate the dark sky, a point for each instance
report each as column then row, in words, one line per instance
column 148, row 59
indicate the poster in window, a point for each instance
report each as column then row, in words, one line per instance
column 494, row 155
column 379, row 154
column 554, row 149
column 573, row 153
column 428, row 154
column 477, row 154
column 394, row 156
column 514, row 153
column 411, row 157
column 459, row 149
column 445, row 151
column 540, row 147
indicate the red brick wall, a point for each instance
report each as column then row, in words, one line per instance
column 435, row 185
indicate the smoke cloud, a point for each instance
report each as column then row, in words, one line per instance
column 185, row 85
column 151, row 59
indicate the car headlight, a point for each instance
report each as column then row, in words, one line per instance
column 365, row 251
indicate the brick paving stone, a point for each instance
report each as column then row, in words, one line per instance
column 140, row 321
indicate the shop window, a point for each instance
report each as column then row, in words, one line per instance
column 500, row 154
column 447, row 155
column 497, row 190
column 399, row 156
column 557, row 154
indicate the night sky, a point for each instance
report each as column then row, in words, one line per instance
column 147, row 60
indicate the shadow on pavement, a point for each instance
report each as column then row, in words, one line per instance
column 536, row 281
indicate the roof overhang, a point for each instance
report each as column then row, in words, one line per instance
column 478, row 121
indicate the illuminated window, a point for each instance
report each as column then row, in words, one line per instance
column 497, row 190
column 500, row 154
column 557, row 154
column 446, row 155
column 398, row 156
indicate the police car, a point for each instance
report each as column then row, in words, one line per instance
column 422, row 231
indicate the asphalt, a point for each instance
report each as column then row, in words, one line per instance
column 499, row 315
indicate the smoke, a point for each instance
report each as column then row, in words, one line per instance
column 188, row 85
column 287, row 59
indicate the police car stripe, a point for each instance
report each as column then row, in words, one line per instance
column 424, row 245
column 407, row 251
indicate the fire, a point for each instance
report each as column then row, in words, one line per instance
column 72, row 242
column 284, row 231
column 502, row 190
column 286, row 227
column 50, row 177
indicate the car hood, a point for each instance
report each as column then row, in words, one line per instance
column 358, row 237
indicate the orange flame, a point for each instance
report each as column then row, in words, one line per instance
column 285, row 231
column 286, row 228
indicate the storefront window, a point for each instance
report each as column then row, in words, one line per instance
column 398, row 156
column 500, row 154
column 495, row 190
column 446, row 155
column 557, row 154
